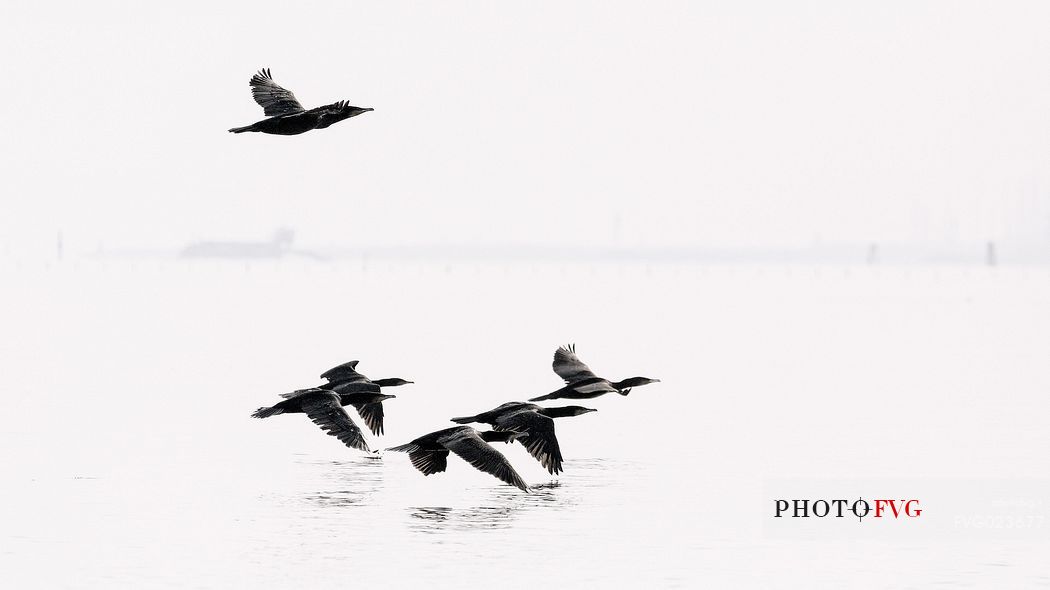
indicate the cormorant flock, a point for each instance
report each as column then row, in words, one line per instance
column 529, row 424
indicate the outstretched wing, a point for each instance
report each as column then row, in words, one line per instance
column 541, row 442
column 274, row 99
column 326, row 412
column 428, row 462
column 344, row 372
column 425, row 460
column 482, row 456
column 569, row 367
column 372, row 414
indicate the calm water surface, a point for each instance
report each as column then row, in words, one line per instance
column 129, row 460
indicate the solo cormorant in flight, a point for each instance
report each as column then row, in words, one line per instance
column 325, row 408
column 429, row 453
column 347, row 373
column 359, row 391
column 582, row 383
column 286, row 115
column 536, row 421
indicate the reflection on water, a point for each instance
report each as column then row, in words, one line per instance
column 442, row 519
column 352, row 482
column 504, row 504
column 502, row 507
column 365, row 481
column 338, row 498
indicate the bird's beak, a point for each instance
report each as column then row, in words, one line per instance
column 590, row 410
column 386, row 397
column 656, row 380
column 368, row 109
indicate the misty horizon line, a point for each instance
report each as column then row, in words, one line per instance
column 985, row 253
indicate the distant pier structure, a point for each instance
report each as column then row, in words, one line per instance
column 278, row 246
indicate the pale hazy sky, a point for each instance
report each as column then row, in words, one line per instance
column 542, row 122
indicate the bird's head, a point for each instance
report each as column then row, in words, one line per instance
column 336, row 112
column 635, row 382
column 350, row 110
column 355, row 110
column 577, row 410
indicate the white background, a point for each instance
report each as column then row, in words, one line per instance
column 128, row 455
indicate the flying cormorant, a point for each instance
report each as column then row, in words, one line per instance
column 325, row 408
column 582, row 383
column 347, row 373
column 536, row 421
column 286, row 115
column 429, row 453
column 359, row 391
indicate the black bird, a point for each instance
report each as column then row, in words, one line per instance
column 369, row 405
column 429, row 453
column 582, row 383
column 347, row 373
column 536, row 421
column 325, row 408
column 286, row 115
column 359, row 391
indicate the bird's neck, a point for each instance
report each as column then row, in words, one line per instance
column 628, row 382
column 387, row 382
column 558, row 412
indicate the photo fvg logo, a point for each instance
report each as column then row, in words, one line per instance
column 859, row 508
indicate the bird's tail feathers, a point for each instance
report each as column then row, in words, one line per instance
column 464, row 419
column 544, row 397
column 241, row 129
column 267, row 412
